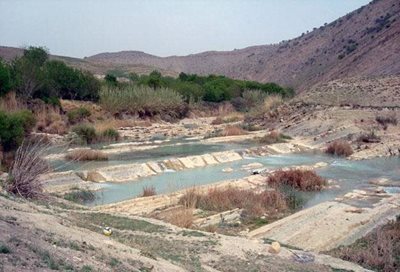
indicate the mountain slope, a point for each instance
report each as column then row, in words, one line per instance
column 365, row 42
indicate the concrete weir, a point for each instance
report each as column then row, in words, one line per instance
column 133, row 171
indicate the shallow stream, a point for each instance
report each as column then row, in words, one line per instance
column 349, row 175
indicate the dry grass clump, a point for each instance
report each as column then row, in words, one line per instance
column 219, row 200
column 50, row 120
column 303, row 180
column 273, row 138
column 86, row 155
column 148, row 191
column 339, row 148
column 232, row 131
column 179, row 216
column 378, row 251
column 26, row 170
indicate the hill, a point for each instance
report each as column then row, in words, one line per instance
column 364, row 43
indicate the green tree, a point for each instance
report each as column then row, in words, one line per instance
column 27, row 71
column 5, row 78
column 154, row 80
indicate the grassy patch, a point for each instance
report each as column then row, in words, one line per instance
column 117, row 222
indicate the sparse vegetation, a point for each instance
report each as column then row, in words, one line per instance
column 339, row 148
column 80, row 196
column 254, row 204
column 181, row 217
column 303, row 180
column 273, row 137
column 378, row 251
column 86, row 155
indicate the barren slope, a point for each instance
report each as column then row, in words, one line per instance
column 365, row 42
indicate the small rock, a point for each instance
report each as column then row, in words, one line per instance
column 227, row 170
column 275, row 248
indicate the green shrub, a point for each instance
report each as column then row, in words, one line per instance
column 13, row 128
column 86, row 133
column 143, row 101
column 110, row 134
column 77, row 115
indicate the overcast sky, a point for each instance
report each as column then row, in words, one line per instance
column 175, row 27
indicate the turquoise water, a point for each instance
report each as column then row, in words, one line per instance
column 348, row 174
column 164, row 151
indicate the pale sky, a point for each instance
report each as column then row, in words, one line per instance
column 79, row 28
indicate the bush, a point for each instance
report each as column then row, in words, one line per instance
column 143, row 101
column 273, row 138
column 86, row 155
column 77, row 115
column 339, row 148
column 14, row 127
column 148, row 191
column 109, row 135
column 303, row 180
column 26, row 170
column 86, row 133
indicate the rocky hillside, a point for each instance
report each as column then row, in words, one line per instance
column 365, row 42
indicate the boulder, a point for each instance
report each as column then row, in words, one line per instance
column 95, row 176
